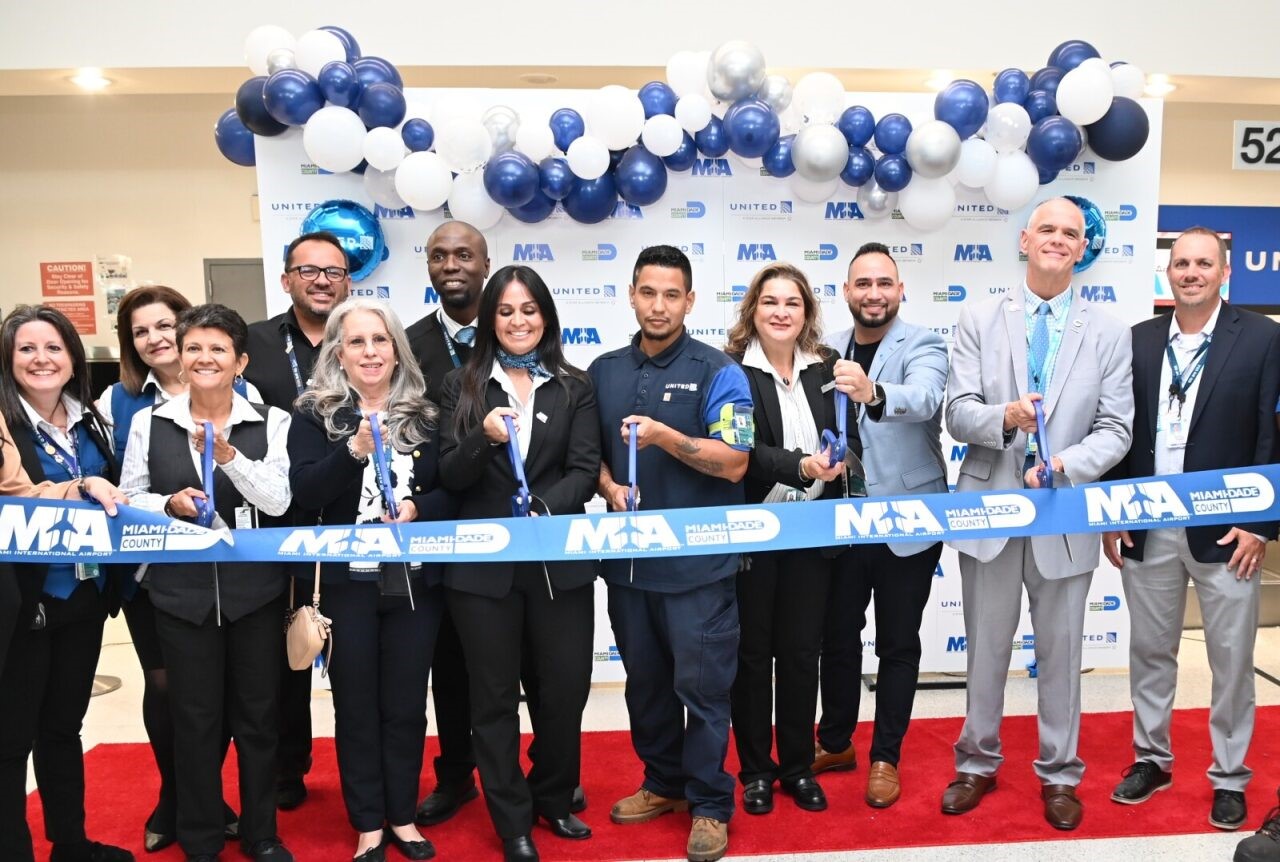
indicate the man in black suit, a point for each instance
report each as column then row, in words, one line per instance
column 1204, row 382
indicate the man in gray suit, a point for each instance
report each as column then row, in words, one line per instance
column 1040, row 342
column 899, row 371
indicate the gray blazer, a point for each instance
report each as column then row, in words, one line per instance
column 1088, row 411
column 902, row 452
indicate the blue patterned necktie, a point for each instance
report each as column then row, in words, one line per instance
column 1038, row 350
column 466, row 335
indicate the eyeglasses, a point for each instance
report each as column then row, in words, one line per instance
column 307, row 272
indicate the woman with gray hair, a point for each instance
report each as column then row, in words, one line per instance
column 363, row 450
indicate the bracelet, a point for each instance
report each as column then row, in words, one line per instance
column 804, row 477
column 168, row 507
column 351, row 450
column 83, row 490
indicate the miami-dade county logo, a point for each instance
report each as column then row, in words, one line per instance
column 174, row 536
column 1134, row 503
column 469, row 538
column 602, row 251
column 885, row 519
column 54, row 530
column 341, row 542
column 744, row 525
column 691, row 209
column 824, row 251
column 620, row 533
column 1241, row 492
column 998, row 511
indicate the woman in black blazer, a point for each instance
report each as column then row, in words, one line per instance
column 516, row 369
column 385, row 614
column 782, row 594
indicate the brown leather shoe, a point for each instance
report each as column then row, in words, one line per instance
column 883, row 788
column 964, row 794
column 643, row 805
column 1062, row 808
column 825, row 761
column 708, row 840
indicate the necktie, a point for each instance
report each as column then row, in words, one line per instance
column 466, row 335
column 1038, row 350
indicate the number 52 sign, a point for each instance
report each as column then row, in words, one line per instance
column 1256, row 146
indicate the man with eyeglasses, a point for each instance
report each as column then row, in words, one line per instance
column 281, row 351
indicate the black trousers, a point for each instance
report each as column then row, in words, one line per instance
column 900, row 586
column 450, row 690
column 781, row 605
column 216, row 673
column 293, row 751
column 494, row 633
column 380, row 668
column 45, row 689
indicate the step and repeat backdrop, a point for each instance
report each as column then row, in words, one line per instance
column 731, row 219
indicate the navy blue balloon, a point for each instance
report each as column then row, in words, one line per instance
column 356, row 228
column 511, row 179
column 382, row 104
column 893, row 173
column 555, row 180
column 751, row 128
column 361, row 168
column 292, row 96
column 860, row 167
column 234, row 139
column 641, row 177
column 1054, row 143
column 778, row 160
column 339, row 84
column 253, row 112
column 375, row 70
column 1047, row 79
column 1040, row 104
column 566, row 127
column 1012, row 85
column 684, row 157
column 891, row 133
column 857, row 124
column 962, row 105
column 537, row 209
column 417, row 135
column 615, row 156
column 712, row 141
column 1071, row 53
column 592, row 201
column 657, row 98
column 1122, row 132
column 349, row 43
column 1047, row 177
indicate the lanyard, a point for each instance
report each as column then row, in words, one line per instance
column 66, row 460
column 382, row 470
column 293, row 360
column 448, row 344
column 521, row 499
column 1178, row 388
column 205, row 508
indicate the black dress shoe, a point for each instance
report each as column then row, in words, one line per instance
column 444, row 802
column 568, row 827
column 422, row 849
column 88, row 851
column 373, row 854
column 578, row 803
column 1228, row 812
column 231, row 821
column 807, row 793
column 1141, row 782
column 203, row 857
column 757, row 797
column 519, row 849
column 267, row 850
column 290, row 793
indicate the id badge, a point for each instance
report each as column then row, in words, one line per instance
column 1176, row 430
column 86, row 571
column 246, row 517
column 795, row 495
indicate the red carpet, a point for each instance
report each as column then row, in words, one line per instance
column 122, row 787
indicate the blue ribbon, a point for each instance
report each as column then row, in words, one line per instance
column 1045, row 472
column 205, row 510
column 838, row 442
column 382, row 467
column 521, row 500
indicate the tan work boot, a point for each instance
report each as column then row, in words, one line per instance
column 642, row 806
column 708, row 840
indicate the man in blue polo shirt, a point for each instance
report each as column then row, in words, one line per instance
column 675, row 618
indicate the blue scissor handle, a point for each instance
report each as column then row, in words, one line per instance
column 1045, row 471
column 633, row 490
column 521, row 499
column 838, row 442
column 205, row 510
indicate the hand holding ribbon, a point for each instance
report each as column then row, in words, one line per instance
column 521, row 500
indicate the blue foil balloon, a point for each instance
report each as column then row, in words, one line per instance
column 566, row 127
column 339, row 84
column 356, row 228
column 1054, row 143
column 382, row 104
column 1095, row 231
column 711, row 141
column 860, row 167
column 778, row 160
column 857, row 124
column 375, row 70
column 1122, row 132
column 555, row 180
column 751, row 127
column 234, row 139
column 1012, row 85
column 292, row 96
column 891, row 134
column 418, row 135
column 657, row 98
column 1047, row 79
column 592, row 201
column 511, row 179
column 892, row 173
column 641, row 177
column 537, row 209
column 683, row 158
column 349, row 43
column 1071, row 53
column 253, row 112
column 1040, row 104
column 962, row 105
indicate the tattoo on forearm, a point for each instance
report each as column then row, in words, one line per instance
column 689, row 452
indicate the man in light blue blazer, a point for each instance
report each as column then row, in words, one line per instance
column 899, row 372
column 1040, row 342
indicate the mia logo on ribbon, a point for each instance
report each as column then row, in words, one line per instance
column 341, row 542
column 620, row 533
column 881, row 519
column 1133, row 503
column 54, row 529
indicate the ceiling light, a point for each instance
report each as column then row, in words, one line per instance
column 1158, row 85
column 90, row 79
column 940, row 79
column 540, row 79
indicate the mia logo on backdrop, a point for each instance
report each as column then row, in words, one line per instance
column 531, row 252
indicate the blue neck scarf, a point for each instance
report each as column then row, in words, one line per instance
column 528, row 361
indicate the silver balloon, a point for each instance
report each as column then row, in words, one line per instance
column 775, row 92
column 933, row 149
column 820, row 152
column 875, row 202
column 280, row 59
column 735, row 71
column 502, row 123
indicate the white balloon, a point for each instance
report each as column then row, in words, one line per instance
column 662, row 135
column 875, row 202
column 317, row 47
column 261, row 41
column 588, row 157
column 820, row 152
column 334, row 138
column 281, row 59
column 423, row 181
column 1008, row 125
column 977, row 163
column 616, row 116
column 384, row 149
column 791, row 120
column 813, row 191
column 1128, row 80
column 719, row 107
column 380, row 186
column 927, row 204
column 470, row 202
column 819, row 97
column 933, row 149
column 452, row 106
column 1014, row 182
column 693, row 112
column 464, row 145
column 1085, row 93
column 535, row 140
column 687, row 72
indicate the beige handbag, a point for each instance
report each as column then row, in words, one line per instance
column 307, row 632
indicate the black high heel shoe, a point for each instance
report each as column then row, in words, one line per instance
column 422, row 849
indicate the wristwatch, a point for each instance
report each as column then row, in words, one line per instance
column 877, row 395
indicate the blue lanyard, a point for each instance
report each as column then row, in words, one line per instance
column 382, row 470
column 1178, row 388
column 522, row 498
column 448, row 343
column 293, row 360
column 66, row 460
column 205, row 509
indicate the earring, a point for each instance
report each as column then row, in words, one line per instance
column 182, row 376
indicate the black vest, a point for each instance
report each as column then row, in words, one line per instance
column 189, row 591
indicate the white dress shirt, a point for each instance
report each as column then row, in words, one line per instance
column 524, row 411
column 799, row 430
column 1169, row 459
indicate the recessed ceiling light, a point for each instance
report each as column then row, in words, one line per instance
column 90, row 79
column 939, row 79
column 540, row 79
column 1158, row 85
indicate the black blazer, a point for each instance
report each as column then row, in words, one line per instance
column 562, row 468
column 326, row 486
column 426, row 341
column 1233, row 423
